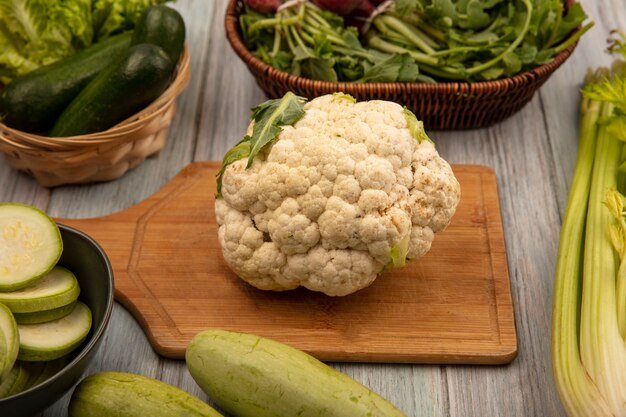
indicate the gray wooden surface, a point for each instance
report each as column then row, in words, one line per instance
column 533, row 154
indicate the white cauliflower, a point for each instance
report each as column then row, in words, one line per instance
column 346, row 192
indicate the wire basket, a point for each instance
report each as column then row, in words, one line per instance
column 101, row 156
column 442, row 106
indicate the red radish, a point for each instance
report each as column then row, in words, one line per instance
column 341, row 7
column 264, row 6
column 360, row 14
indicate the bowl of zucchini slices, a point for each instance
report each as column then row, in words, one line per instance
column 56, row 298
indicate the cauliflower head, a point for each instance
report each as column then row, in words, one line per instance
column 340, row 196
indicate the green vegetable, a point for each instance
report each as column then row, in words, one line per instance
column 588, row 346
column 15, row 381
column 9, row 342
column 41, row 371
column 474, row 40
column 268, row 118
column 121, row 394
column 112, row 16
column 54, row 339
column 57, row 288
column 118, row 92
column 40, row 32
column 164, row 27
column 251, row 376
column 30, row 245
column 314, row 43
column 33, row 102
column 416, row 40
column 44, row 316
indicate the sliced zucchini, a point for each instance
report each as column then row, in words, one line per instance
column 9, row 341
column 45, row 315
column 7, row 382
column 50, row 369
column 15, row 381
column 51, row 340
column 57, row 288
column 30, row 245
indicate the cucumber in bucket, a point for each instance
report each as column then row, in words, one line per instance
column 30, row 245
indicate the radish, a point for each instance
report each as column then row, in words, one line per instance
column 341, row 7
column 264, row 6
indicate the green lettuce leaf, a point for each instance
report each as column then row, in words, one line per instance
column 112, row 16
column 39, row 32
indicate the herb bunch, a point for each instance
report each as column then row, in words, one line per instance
column 415, row 40
column 476, row 40
column 307, row 41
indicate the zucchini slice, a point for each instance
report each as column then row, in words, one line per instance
column 51, row 340
column 44, row 316
column 15, row 382
column 30, row 245
column 9, row 342
column 57, row 288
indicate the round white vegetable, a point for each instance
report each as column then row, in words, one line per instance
column 347, row 192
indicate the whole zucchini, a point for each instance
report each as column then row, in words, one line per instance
column 118, row 92
column 162, row 26
column 121, row 394
column 251, row 376
column 33, row 102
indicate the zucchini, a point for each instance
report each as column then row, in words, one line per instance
column 51, row 340
column 57, row 288
column 44, row 316
column 30, row 245
column 162, row 26
column 39, row 372
column 33, row 102
column 118, row 92
column 9, row 341
column 15, row 381
column 251, row 376
column 121, row 394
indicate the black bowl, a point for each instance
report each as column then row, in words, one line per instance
column 86, row 259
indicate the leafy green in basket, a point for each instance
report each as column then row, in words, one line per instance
column 34, row 33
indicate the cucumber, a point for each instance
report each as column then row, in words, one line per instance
column 44, row 316
column 118, row 92
column 51, row 340
column 30, row 245
column 9, row 341
column 251, row 376
column 121, row 394
column 57, row 288
column 33, row 102
column 162, row 26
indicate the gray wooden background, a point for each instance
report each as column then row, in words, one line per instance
column 533, row 154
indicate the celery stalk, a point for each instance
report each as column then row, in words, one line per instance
column 579, row 395
column 602, row 348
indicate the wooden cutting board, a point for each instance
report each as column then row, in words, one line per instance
column 452, row 306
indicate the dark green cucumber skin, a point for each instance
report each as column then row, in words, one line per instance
column 33, row 102
column 118, row 92
column 162, row 26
